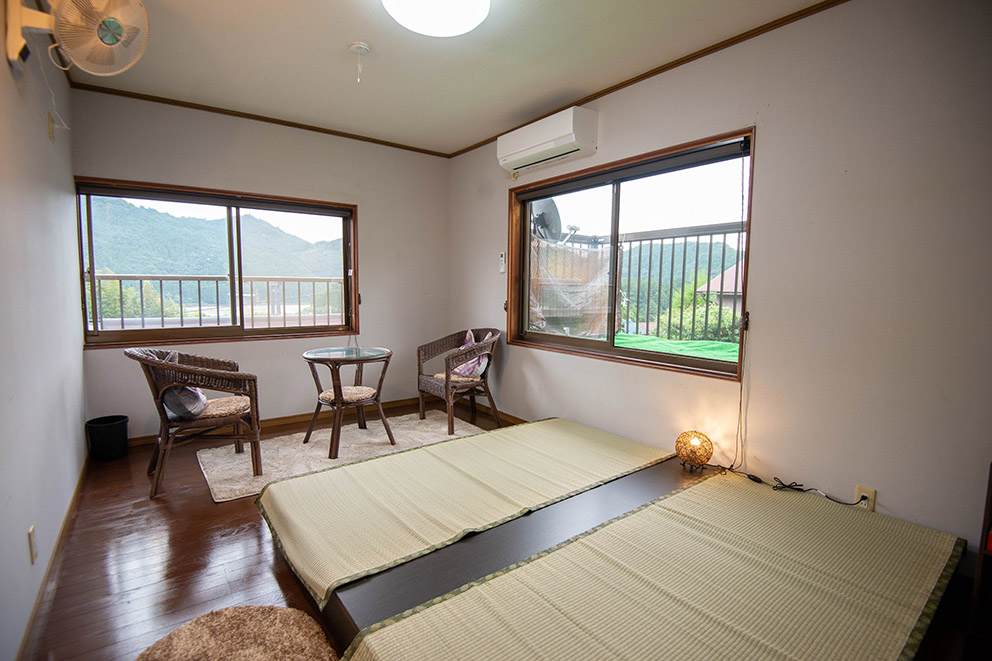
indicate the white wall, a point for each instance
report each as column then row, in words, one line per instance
column 402, row 216
column 42, row 447
column 870, row 252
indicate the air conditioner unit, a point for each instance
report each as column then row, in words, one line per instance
column 567, row 134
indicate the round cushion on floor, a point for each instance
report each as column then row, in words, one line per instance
column 246, row 633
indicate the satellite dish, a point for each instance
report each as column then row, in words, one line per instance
column 545, row 221
column 100, row 37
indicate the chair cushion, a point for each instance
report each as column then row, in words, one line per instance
column 184, row 402
column 457, row 378
column 223, row 407
column 471, row 368
column 349, row 393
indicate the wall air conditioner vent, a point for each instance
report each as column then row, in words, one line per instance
column 565, row 135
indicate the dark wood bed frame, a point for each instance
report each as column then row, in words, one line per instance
column 359, row 604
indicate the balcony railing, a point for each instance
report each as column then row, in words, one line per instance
column 134, row 301
column 678, row 284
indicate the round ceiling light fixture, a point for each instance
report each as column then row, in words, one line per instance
column 438, row 18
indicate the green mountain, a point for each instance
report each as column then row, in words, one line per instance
column 138, row 240
column 654, row 265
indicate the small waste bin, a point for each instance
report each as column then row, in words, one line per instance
column 107, row 437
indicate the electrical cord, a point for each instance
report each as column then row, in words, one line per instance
column 795, row 486
column 741, row 436
column 782, row 486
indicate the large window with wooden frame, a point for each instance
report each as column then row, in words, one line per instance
column 161, row 264
column 640, row 261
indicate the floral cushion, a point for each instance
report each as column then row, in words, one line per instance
column 473, row 367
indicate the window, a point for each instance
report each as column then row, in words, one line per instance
column 160, row 264
column 642, row 261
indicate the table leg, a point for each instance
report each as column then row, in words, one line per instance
column 360, row 410
column 385, row 423
column 336, row 432
column 313, row 421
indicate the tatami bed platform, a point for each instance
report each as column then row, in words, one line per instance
column 628, row 557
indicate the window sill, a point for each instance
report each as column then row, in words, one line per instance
column 121, row 343
column 629, row 357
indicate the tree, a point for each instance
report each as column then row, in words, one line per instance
column 114, row 292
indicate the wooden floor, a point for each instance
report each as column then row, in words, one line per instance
column 130, row 570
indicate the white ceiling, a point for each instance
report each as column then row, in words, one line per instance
column 290, row 60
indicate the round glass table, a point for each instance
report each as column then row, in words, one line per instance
column 338, row 396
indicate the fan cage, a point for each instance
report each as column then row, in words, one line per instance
column 78, row 30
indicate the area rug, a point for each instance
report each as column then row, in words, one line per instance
column 229, row 475
column 245, row 633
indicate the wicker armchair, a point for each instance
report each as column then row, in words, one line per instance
column 451, row 386
column 239, row 410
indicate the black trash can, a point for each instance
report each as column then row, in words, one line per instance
column 107, row 437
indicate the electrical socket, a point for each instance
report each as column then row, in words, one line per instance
column 32, row 546
column 867, row 492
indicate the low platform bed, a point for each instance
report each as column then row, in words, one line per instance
column 709, row 565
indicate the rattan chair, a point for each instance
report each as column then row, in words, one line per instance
column 239, row 410
column 451, row 386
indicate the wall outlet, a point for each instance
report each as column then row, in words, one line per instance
column 32, row 546
column 869, row 493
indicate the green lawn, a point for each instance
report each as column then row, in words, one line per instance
column 726, row 351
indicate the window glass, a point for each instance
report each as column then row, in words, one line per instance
column 173, row 265
column 681, row 251
column 641, row 262
column 158, row 264
column 570, row 263
column 293, row 269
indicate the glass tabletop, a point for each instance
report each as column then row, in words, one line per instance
column 344, row 353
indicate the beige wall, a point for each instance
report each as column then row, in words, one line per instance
column 402, row 242
column 871, row 236
column 42, row 448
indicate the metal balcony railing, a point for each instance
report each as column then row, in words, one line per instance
column 133, row 301
column 677, row 284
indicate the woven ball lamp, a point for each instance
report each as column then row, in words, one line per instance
column 694, row 448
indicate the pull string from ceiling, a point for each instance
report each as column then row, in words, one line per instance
column 360, row 49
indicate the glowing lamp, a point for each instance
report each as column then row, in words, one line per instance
column 694, row 448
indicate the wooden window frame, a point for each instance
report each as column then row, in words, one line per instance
column 629, row 168
column 235, row 202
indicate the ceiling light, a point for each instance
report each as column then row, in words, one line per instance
column 438, row 18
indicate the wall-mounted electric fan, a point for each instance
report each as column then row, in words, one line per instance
column 100, row 37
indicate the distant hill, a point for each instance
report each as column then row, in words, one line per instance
column 130, row 239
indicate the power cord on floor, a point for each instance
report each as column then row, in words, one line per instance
column 795, row 486
column 791, row 486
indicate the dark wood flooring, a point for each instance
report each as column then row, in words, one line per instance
column 130, row 570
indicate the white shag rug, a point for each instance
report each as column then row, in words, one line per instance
column 229, row 475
